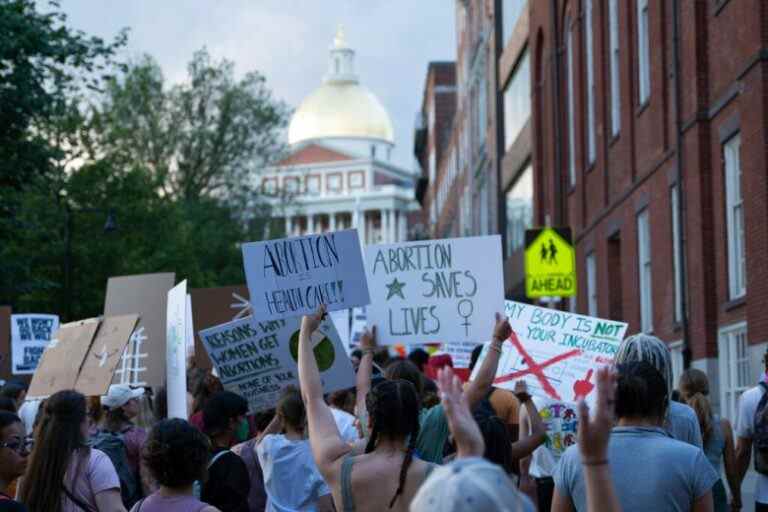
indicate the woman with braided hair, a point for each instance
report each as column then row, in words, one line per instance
column 387, row 475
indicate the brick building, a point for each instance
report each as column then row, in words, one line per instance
column 473, row 136
column 650, row 122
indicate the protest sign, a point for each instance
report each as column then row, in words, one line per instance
column 143, row 363
column 258, row 359
column 189, row 330
column 290, row 277
column 359, row 323
column 460, row 353
column 176, row 351
column 340, row 320
column 5, row 342
column 216, row 306
column 105, row 354
column 556, row 352
column 61, row 362
column 30, row 334
column 435, row 290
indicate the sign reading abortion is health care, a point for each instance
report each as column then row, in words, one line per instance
column 557, row 353
column 258, row 359
column 291, row 277
column 30, row 334
column 435, row 290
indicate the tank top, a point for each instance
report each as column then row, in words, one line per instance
column 156, row 503
column 713, row 449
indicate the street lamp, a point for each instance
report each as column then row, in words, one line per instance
column 110, row 225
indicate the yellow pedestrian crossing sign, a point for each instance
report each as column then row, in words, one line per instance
column 550, row 263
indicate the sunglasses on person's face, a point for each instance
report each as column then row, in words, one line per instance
column 19, row 446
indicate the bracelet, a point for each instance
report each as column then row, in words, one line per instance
column 601, row 462
column 494, row 348
column 367, row 351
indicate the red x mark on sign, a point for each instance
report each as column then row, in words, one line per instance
column 536, row 369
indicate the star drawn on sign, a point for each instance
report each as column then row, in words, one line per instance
column 395, row 288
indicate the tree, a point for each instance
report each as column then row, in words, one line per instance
column 202, row 138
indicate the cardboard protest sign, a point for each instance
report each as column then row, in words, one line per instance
column 258, row 359
column 435, row 290
column 61, row 362
column 556, row 352
column 30, row 334
column 216, row 306
column 290, row 277
column 189, row 329
column 5, row 342
column 143, row 362
column 105, row 354
column 176, row 352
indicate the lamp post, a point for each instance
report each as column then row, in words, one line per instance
column 110, row 225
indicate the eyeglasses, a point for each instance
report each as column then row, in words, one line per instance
column 19, row 447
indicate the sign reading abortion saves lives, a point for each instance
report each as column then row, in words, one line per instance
column 258, row 359
column 290, row 277
column 435, row 290
column 556, row 352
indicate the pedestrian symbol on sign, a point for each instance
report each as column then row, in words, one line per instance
column 550, row 266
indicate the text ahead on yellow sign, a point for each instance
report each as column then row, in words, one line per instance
column 550, row 263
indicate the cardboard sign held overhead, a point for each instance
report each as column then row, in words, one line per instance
column 105, row 354
column 216, row 306
column 435, row 290
column 61, row 362
column 30, row 334
column 290, row 277
column 556, row 352
column 143, row 363
column 258, row 359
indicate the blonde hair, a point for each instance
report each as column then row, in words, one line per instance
column 694, row 387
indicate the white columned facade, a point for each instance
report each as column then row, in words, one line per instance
column 288, row 225
column 310, row 224
column 332, row 221
column 403, row 227
column 363, row 227
column 393, row 226
column 385, row 220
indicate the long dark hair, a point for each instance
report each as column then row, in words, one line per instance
column 393, row 406
column 694, row 387
column 58, row 437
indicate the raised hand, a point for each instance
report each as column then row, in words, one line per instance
column 595, row 429
column 502, row 331
column 466, row 433
column 310, row 323
column 521, row 391
column 368, row 340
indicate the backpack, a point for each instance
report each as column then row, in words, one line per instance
column 113, row 445
column 760, row 435
column 197, row 485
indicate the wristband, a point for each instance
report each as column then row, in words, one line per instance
column 601, row 462
column 367, row 351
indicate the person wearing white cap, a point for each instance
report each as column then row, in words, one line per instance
column 121, row 405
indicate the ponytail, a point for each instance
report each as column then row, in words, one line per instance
column 406, row 462
column 701, row 406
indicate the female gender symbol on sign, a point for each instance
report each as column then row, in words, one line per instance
column 465, row 313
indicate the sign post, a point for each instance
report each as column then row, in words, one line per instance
column 550, row 263
column 175, row 351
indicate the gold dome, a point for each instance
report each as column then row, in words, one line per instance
column 341, row 107
column 345, row 109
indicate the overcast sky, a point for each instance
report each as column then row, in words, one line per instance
column 288, row 41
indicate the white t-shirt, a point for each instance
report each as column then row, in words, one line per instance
column 291, row 478
column 345, row 422
column 745, row 426
column 561, row 421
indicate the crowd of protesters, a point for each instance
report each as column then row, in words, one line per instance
column 409, row 437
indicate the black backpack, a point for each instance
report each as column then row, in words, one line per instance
column 113, row 445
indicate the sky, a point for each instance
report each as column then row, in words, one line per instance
column 288, row 41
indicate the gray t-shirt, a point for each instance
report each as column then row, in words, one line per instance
column 650, row 471
column 683, row 424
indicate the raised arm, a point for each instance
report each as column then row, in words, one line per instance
column 273, row 428
column 482, row 383
column 327, row 445
column 466, row 433
column 365, row 373
column 538, row 431
column 593, row 435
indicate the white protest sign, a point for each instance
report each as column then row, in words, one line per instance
column 359, row 323
column 258, row 359
column 30, row 334
column 434, row 290
column 290, row 277
column 557, row 353
column 175, row 351
column 341, row 322
column 461, row 353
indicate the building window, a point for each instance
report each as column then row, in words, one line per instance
column 519, row 210
column 313, row 185
column 333, row 182
column 569, row 99
column 356, row 180
column 590, row 82
column 644, row 270
column 591, row 285
column 734, row 205
column 733, row 357
column 517, row 100
column 269, row 185
column 613, row 20
column 643, row 52
column 677, row 264
column 510, row 13
column 678, row 364
column 291, row 185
